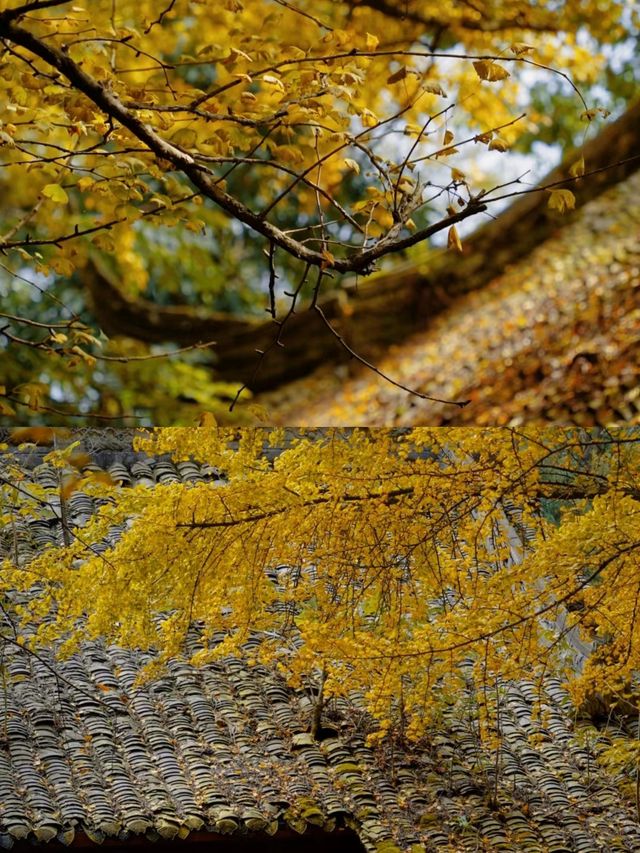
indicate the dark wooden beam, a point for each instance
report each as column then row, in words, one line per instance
column 313, row 840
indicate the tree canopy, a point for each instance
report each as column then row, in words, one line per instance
column 393, row 563
column 230, row 157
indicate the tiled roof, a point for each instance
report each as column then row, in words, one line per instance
column 111, row 453
column 225, row 749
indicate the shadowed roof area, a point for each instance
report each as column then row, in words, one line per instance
column 225, row 750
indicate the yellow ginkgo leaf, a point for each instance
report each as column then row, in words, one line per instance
column 185, row 136
column 372, row 41
column 487, row 69
column 273, row 81
column 577, row 169
column 519, row 48
column 453, row 239
column 369, row 119
column 434, row 89
column 207, row 419
column 56, row 193
column 498, row 144
column 329, row 259
column 561, row 200
column 398, row 75
column 32, row 393
column 446, row 152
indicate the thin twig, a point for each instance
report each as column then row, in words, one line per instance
column 277, row 339
column 160, row 17
column 304, row 14
column 272, row 280
column 460, row 403
column 125, row 359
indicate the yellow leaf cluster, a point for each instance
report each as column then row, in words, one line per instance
column 398, row 562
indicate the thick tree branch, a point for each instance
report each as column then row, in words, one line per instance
column 548, row 491
column 358, row 262
column 391, row 495
column 382, row 309
column 36, row 5
column 401, row 11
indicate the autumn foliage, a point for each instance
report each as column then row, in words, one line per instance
column 397, row 564
column 244, row 155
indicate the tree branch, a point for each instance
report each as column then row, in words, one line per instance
column 540, row 491
column 34, row 6
column 518, row 22
column 360, row 261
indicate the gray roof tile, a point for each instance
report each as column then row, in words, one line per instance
column 226, row 748
column 193, row 750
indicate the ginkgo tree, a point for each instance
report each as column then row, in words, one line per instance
column 140, row 138
column 398, row 565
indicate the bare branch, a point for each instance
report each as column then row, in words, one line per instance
column 460, row 403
